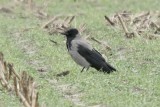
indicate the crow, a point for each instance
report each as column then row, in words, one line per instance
column 83, row 53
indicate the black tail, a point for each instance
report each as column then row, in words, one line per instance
column 95, row 59
column 107, row 68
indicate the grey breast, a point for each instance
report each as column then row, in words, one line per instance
column 74, row 53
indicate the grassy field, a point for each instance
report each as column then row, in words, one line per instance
column 135, row 84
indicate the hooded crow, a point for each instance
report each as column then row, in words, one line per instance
column 83, row 53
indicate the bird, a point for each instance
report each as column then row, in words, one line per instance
column 83, row 53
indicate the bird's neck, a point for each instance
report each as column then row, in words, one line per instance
column 68, row 43
column 69, row 40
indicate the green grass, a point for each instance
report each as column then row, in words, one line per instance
column 136, row 82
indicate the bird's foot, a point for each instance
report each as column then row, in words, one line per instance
column 82, row 69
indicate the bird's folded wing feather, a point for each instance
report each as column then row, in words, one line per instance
column 91, row 55
column 94, row 58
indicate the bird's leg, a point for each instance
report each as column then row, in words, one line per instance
column 87, row 69
column 82, row 69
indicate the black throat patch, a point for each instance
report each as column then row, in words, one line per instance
column 68, row 43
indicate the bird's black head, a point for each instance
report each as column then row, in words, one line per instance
column 71, row 32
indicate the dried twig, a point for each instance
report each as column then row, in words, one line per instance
column 3, row 77
column 156, row 26
column 139, row 24
column 129, row 35
column 69, row 20
column 108, row 19
column 24, row 86
column 123, row 24
column 5, row 10
column 58, row 25
column 11, row 69
column 153, row 36
column 54, row 43
column 102, row 43
column 141, row 16
column 30, row 3
column 82, row 28
column 45, row 25
column 63, row 74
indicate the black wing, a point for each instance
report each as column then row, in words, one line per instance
column 95, row 59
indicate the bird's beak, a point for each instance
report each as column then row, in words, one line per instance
column 63, row 33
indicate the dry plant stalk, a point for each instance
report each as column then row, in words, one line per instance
column 127, row 34
column 82, row 28
column 123, row 24
column 142, row 15
column 57, row 24
column 139, row 24
column 5, row 10
column 3, row 77
column 23, row 85
column 32, row 7
column 102, row 43
column 30, row 3
column 46, row 24
column 109, row 20
column 11, row 69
